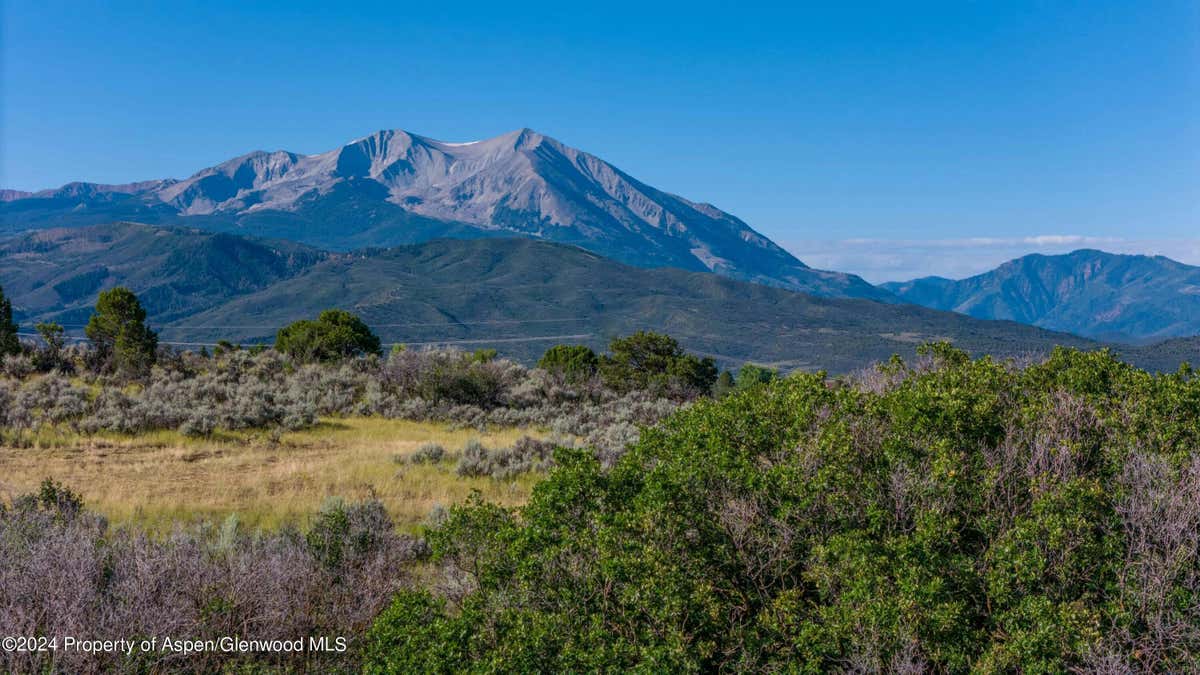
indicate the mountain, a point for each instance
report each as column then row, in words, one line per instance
column 1127, row 298
column 522, row 296
column 55, row 275
column 394, row 187
column 519, row 295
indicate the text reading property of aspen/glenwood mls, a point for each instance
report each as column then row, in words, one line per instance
column 172, row 645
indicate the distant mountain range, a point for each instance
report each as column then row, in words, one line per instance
column 393, row 187
column 294, row 213
column 1126, row 298
column 519, row 295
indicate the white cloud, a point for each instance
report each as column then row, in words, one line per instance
column 1067, row 240
column 879, row 260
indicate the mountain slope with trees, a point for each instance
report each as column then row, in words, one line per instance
column 522, row 296
column 519, row 296
column 55, row 275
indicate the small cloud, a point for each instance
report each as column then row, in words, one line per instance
column 1069, row 240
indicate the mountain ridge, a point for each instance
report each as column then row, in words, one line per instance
column 1111, row 296
column 517, row 294
column 393, row 187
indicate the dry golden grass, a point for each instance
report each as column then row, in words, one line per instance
column 155, row 479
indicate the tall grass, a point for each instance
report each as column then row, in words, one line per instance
column 155, row 479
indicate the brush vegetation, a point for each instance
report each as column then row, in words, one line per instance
column 946, row 516
column 632, row 510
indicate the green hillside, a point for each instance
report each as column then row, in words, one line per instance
column 56, row 274
column 522, row 296
column 518, row 295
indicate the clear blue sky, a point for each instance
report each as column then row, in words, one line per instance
column 925, row 123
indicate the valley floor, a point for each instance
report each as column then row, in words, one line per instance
column 156, row 479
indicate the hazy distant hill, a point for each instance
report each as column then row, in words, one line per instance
column 1091, row 293
column 393, row 187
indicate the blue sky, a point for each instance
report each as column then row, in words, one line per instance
column 888, row 139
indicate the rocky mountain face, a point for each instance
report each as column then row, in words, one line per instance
column 393, row 187
column 13, row 195
column 1129, row 298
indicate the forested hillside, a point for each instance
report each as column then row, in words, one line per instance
column 518, row 295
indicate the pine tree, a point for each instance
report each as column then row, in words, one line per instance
column 118, row 331
column 9, row 342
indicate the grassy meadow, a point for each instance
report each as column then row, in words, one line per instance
column 157, row 478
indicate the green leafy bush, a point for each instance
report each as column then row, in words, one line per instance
column 575, row 363
column 947, row 516
column 335, row 335
column 653, row 361
column 751, row 374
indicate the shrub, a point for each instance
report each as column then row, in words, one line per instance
column 50, row 356
column 196, row 583
column 527, row 454
column 724, row 386
column 53, row 498
column 958, row 516
column 691, row 377
column 335, row 335
column 483, row 355
column 224, row 347
column 450, row 376
column 18, row 365
column 751, row 374
column 342, row 534
column 198, row 424
column 473, row 459
column 398, row 641
column 654, row 361
column 51, row 399
column 575, row 363
column 427, row 453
